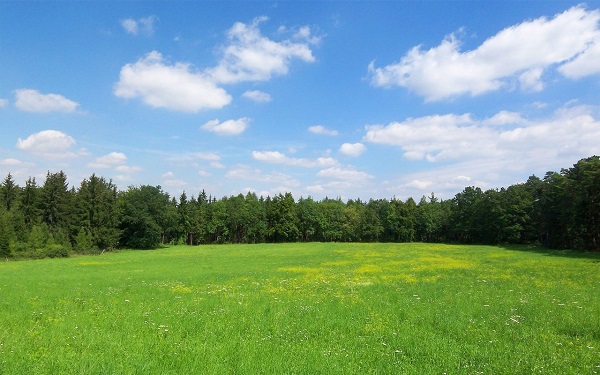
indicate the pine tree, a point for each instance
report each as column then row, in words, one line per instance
column 5, row 234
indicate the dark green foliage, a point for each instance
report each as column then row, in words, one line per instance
column 282, row 219
column 5, row 234
column 97, row 211
column 55, row 200
column 562, row 210
column 84, row 242
column 9, row 192
column 571, row 206
column 331, row 220
column 39, row 236
column 371, row 222
column 143, row 220
column 255, row 218
column 217, row 222
column 29, row 206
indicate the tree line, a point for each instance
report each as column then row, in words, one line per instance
column 561, row 210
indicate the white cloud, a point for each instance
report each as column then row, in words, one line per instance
column 277, row 157
column 316, row 189
column 229, row 127
column 130, row 25
column 175, row 183
column 322, row 130
column 257, row 96
column 33, row 101
column 521, row 53
column 144, row 25
column 584, row 64
column 306, row 34
column 250, row 56
column 109, row 160
column 50, row 144
column 505, row 118
column 531, row 80
column 352, row 149
column 479, row 152
column 176, row 87
column 3, row 103
column 419, row 184
column 437, row 137
column 127, row 168
column 244, row 172
column 462, row 178
column 346, row 174
column 209, row 156
column 12, row 162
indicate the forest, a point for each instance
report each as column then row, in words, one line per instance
column 560, row 211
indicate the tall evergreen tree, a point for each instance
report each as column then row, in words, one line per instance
column 184, row 219
column 98, row 213
column 30, row 203
column 5, row 235
column 9, row 192
column 55, row 200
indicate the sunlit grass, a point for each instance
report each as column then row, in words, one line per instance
column 303, row 308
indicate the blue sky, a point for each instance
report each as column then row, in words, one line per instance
column 369, row 99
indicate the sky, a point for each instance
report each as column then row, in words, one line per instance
column 348, row 99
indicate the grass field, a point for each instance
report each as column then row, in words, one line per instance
column 303, row 309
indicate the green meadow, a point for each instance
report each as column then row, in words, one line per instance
column 303, row 309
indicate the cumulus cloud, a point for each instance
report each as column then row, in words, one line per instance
column 435, row 138
column 176, row 87
column 127, row 168
column 50, row 144
column 207, row 156
column 175, row 183
column 12, row 162
column 306, row 34
column 109, row 160
column 250, row 56
column 245, row 172
column 257, row 96
column 572, row 131
column 3, row 103
column 229, row 127
column 210, row 156
column 33, row 101
column 505, row 118
column 144, row 25
column 518, row 54
column 486, row 152
column 347, row 174
column 322, row 130
column 277, row 157
column 419, row 184
column 352, row 149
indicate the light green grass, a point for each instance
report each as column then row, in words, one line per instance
column 303, row 309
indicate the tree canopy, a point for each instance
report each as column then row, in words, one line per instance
column 560, row 210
